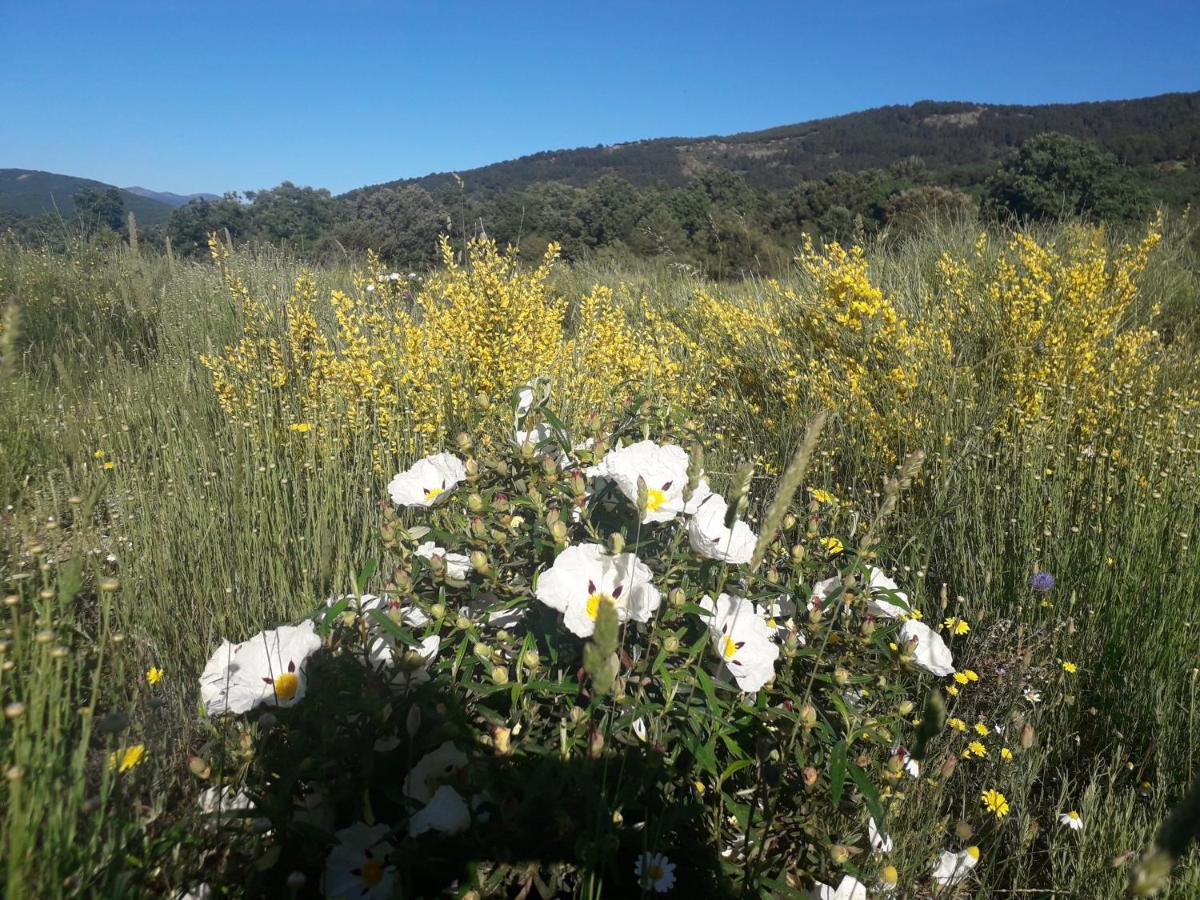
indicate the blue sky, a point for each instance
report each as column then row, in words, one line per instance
column 215, row 96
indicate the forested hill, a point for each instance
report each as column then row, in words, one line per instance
column 960, row 143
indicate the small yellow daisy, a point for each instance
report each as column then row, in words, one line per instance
column 154, row 675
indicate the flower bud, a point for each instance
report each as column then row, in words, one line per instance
column 905, row 707
column 475, row 503
column 839, row 853
column 500, row 675
column 789, row 522
column 616, row 542
column 471, row 468
column 479, row 561
column 808, row 716
column 595, row 743
column 840, row 676
column 530, row 659
column 14, row 710
column 558, row 531
column 671, row 644
column 809, row 776
column 677, row 597
column 462, row 440
column 437, row 610
column 502, row 738
column 462, row 623
column 1027, row 736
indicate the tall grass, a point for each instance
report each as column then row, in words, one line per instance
column 116, row 461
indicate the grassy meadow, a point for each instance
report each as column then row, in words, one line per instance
column 197, row 451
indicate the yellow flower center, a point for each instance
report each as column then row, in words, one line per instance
column 655, row 872
column 654, row 499
column 371, row 872
column 1073, row 815
column 594, row 601
column 728, row 648
column 286, row 685
column 431, row 494
column 973, row 852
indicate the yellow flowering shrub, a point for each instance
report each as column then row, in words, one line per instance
column 835, row 341
column 418, row 367
column 1054, row 325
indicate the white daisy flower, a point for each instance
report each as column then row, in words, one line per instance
column 446, row 813
column 200, row 892
column 951, row 867
column 880, row 586
column 432, row 770
column 585, row 575
column 268, row 668
column 710, row 538
column 1032, row 695
column 357, row 867
column 881, row 842
column 850, row 888
column 663, row 468
column 1071, row 820
column 394, row 276
column 426, row 480
column 930, row 651
column 742, row 640
column 655, row 872
column 458, row 565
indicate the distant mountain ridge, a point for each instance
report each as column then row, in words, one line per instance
column 172, row 200
column 960, row 142
column 30, row 193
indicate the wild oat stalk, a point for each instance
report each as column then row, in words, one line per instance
column 788, row 485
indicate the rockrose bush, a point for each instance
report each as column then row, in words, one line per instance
column 588, row 666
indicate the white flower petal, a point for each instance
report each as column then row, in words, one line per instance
column 269, row 668
column 432, row 769
column 446, row 813
column 584, row 575
column 742, row 640
column 930, row 651
column 710, row 538
column 423, row 483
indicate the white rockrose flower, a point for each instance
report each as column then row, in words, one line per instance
column 269, row 668
column 930, row 651
column 357, row 865
column 423, row 483
column 458, row 565
column 663, row 468
column 742, row 640
column 585, row 575
column 710, row 538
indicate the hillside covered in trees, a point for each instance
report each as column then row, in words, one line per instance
column 741, row 202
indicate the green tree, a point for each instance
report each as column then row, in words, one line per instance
column 100, row 208
column 191, row 224
column 401, row 224
column 1055, row 176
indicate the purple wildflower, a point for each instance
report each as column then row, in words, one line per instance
column 1042, row 582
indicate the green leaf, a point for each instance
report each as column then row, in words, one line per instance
column 364, row 576
column 871, row 795
column 837, row 771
